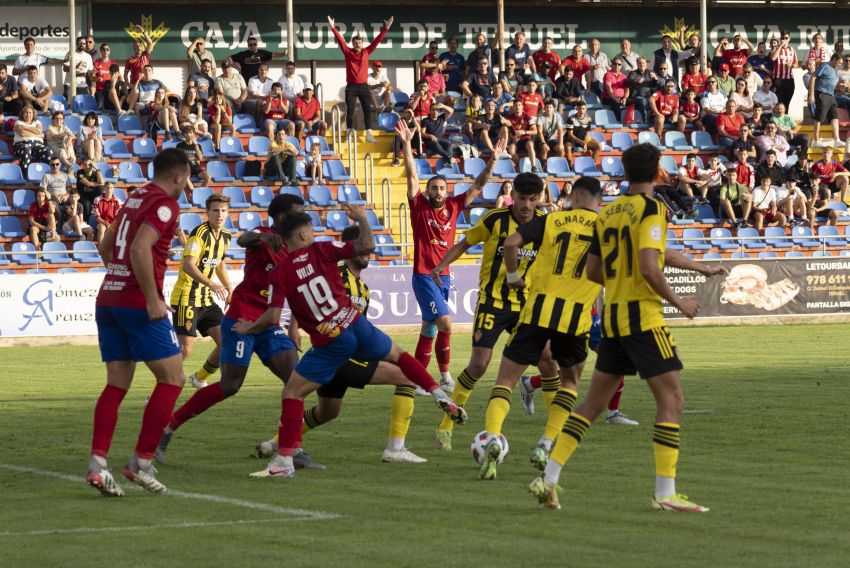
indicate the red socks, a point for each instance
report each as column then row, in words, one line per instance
column 289, row 431
column 536, row 381
column 614, row 405
column 415, row 372
column 157, row 412
column 423, row 349
column 105, row 419
column 444, row 350
column 200, row 401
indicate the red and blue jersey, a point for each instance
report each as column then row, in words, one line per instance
column 433, row 230
column 149, row 205
column 250, row 299
column 309, row 279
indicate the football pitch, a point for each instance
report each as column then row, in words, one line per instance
column 764, row 444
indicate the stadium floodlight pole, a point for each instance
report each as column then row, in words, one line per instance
column 290, row 31
column 72, row 65
column 703, row 31
column 89, row 18
column 500, row 39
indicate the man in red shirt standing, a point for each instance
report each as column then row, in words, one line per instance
column 736, row 54
column 532, row 101
column 356, row 72
column 101, row 69
column 784, row 60
column 141, row 58
column 133, row 322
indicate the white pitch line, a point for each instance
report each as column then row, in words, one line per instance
column 301, row 513
column 87, row 530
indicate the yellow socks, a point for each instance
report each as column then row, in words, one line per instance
column 463, row 389
column 206, row 371
column 550, row 386
column 497, row 409
column 665, row 446
column 572, row 434
column 402, row 411
column 559, row 410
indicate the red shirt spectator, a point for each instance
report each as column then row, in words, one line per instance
column 308, row 110
column 547, row 62
column 421, row 105
column 696, row 81
column 136, row 64
column 531, row 104
column 690, row 109
column 278, row 108
column 746, row 174
column 827, row 170
column 518, row 123
column 783, row 66
column 40, row 213
column 666, row 104
column 357, row 62
column 107, row 207
column 618, row 81
column 227, row 116
column 101, row 70
column 580, row 66
column 436, row 81
column 736, row 58
column 731, row 123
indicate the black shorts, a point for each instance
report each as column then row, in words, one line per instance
column 189, row 320
column 523, row 144
column 527, row 343
column 648, row 353
column 353, row 374
column 195, row 169
column 826, row 107
column 489, row 323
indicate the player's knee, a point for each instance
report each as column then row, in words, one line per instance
column 444, row 324
column 429, row 329
column 478, row 366
column 229, row 387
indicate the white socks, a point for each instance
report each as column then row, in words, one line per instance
column 664, row 486
column 395, row 444
column 552, row 473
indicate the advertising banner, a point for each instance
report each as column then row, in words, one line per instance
column 38, row 305
column 226, row 28
column 48, row 25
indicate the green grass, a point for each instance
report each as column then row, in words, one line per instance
column 766, row 448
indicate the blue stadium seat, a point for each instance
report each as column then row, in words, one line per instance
column 188, row 221
column 695, row 240
column 200, row 195
column 490, row 192
column 323, row 144
column 73, row 122
column 750, row 239
column 721, row 238
column 4, row 260
column 705, row 214
column 472, row 167
column 107, row 127
column 24, row 253
column 423, row 169
column 385, row 246
column 244, row 124
column 604, row 118
column 448, row 170
column 21, row 199
column 669, row 165
column 106, row 170
column 10, row 174
column 219, row 172
column 348, row 193
column 337, row 220
column 776, row 238
column 144, row 148
column 821, row 253
column 100, row 269
column 767, row 254
column 258, row 146
column 239, row 171
column 37, row 271
column 505, row 169
column 335, row 171
column 592, row 100
column 61, row 100
column 231, row 147
column 387, row 121
column 320, row 195
column 261, row 196
column 673, row 241
column 712, row 256
column 10, row 228
column 600, row 138
column 796, row 254
column 297, row 143
column 36, row 171
column 525, row 166
column 207, row 148
column 131, row 172
column 702, row 140
column 612, row 166
column 234, row 251
column 676, row 140
column 802, row 236
column 237, row 197
column 830, row 235
column 585, row 166
column 374, row 222
column 650, row 137
column 58, row 253
column 166, row 144
column 5, row 154
column 120, row 194
column 699, row 161
column 249, row 221
column 66, row 270
column 558, row 167
column 741, row 255
column 129, row 125
column 622, row 140
column 182, row 202
column 85, row 252
column 400, row 100
column 476, row 213
column 318, row 226
column 290, row 190
column 116, row 149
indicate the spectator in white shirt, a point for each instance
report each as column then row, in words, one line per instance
column 259, row 87
column 293, row 85
column 599, row 65
column 83, row 64
column 379, row 86
column 765, row 97
column 34, row 89
column 30, row 57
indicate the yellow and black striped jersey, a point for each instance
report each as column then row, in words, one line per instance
column 624, row 228
column 355, row 288
column 561, row 296
column 208, row 252
column 492, row 229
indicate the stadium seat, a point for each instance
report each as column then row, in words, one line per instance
column 318, row 226
column 231, row 147
column 712, row 256
column 600, row 138
column 58, row 253
column 669, row 165
column 460, row 188
column 207, row 148
column 400, row 100
column 116, row 149
column 200, row 195
column 705, row 214
column 10, row 174
column 335, row 171
column 803, row 237
column 592, row 100
column 423, row 169
column 399, row 262
column 261, row 196
column 767, row 254
column 472, row 167
column 740, row 255
column 100, row 269
column 131, row 172
column 749, row 238
column 85, row 252
column 650, row 137
column 37, row 271
column 491, row 192
column 107, row 127
column 638, row 120
column 219, row 172
column 66, row 270
column 21, row 199
column 702, row 140
column 36, row 171
column 73, row 122
column 505, row 169
column 323, row 144
column 821, row 253
column 797, row 254
column 622, row 140
column 695, row 240
column 129, row 125
column 24, row 253
column 258, row 146
column 673, row 241
column 188, row 221
column 320, row 195
column 585, row 166
column 385, row 246
column 144, row 148
column 120, row 194
column 387, row 121
column 55, row 102
column 830, row 235
column 290, row 190
column 448, row 170
column 244, row 124
column 5, row 154
column 775, row 238
column 604, row 118
column 676, row 140
column 297, row 143
column 558, row 167
column 845, row 252
column 337, row 220
column 612, row 166
column 249, row 221
column 461, row 221
column 525, row 166
column 10, row 228
column 239, row 172
column 374, row 222
column 105, row 170
column 234, row 251
column 349, row 193
column 237, row 197
column 151, row 172
column 721, row 238
column 476, row 213
column 182, row 202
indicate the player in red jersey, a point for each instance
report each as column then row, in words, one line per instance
column 433, row 218
column 133, row 323
column 277, row 351
column 309, row 280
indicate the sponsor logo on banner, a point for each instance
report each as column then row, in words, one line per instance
column 48, row 25
column 39, row 297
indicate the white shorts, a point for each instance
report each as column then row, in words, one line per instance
column 781, row 193
column 68, row 231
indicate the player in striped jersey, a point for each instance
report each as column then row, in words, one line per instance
column 192, row 297
column 498, row 305
column 560, row 299
column 358, row 374
column 627, row 255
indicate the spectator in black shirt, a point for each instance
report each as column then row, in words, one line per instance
column 251, row 59
column 10, row 100
column 758, row 122
column 493, row 127
column 771, row 168
column 116, row 94
column 568, row 88
column 89, row 186
column 747, row 143
column 189, row 146
column 434, row 131
column 480, row 82
column 801, row 174
column 643, row 83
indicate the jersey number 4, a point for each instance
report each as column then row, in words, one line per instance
column 563, row 241
column 318, row 295
column 121, row 237
column 613, row 237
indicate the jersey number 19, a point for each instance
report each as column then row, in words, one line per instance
column 317, row 293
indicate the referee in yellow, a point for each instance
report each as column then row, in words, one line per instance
column 192, row 298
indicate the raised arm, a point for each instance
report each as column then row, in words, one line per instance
column 339, row 39
column 484, row 176
column 405, row 134
column 251, row 239
column 364, row 244
column 377, row 41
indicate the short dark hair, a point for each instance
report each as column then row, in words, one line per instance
column 170, row 161
column 114, row 68
column 217, row 198
column 283, row 204
column 350, row 233
column 589, row 184
column 527, row 183
column 292, row 223
column 32, row 68
column 770, row 153
column 640, row 163
column 437, row 177
column 3, row 67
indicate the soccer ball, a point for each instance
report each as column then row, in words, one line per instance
column 479, row 446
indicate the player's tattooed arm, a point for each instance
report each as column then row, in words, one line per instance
column 511, row 257
column 250, row 239
column 364, row 244
column 405, row 134
column 487, row 172
column 269, row 318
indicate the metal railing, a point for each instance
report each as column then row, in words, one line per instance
column 369, row 176
column 403, row 223
column 351, row 148
column 320, row 95
column 336, row 129
column 386, row 192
